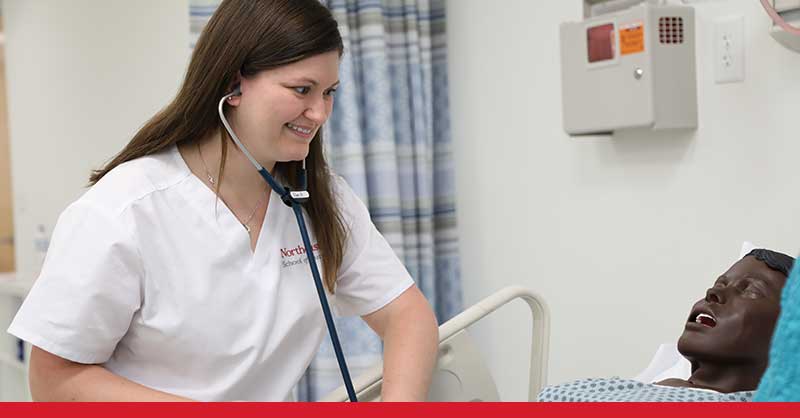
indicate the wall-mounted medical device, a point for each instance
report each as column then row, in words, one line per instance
column 632, row 66
column 786, row 22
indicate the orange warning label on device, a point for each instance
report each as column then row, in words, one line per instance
column 631, row 38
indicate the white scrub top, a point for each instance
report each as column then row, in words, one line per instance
column 151, row 276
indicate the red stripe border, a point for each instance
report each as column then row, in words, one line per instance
column 407, row 410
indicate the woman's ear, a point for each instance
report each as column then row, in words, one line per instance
column 236, row 89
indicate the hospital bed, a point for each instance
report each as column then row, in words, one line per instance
column 461, row 374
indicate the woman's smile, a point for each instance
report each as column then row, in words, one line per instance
column 303, row 132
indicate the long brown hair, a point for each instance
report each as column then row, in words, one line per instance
column 247, row 37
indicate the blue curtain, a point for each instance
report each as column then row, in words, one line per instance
column 389, row 137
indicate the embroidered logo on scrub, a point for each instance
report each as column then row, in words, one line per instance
column 297, row 255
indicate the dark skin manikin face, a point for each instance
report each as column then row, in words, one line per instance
column 733, row 324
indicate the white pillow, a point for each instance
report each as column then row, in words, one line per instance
column 747, row 246
column 667, row 363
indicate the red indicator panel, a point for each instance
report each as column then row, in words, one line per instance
column 600, row 42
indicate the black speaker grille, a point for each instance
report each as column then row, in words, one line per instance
column 670, row 30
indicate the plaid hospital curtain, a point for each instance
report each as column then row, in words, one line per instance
column 389, row 137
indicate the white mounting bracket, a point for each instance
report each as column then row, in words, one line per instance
column 789, row 10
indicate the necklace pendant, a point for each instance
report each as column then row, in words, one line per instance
column 210, row 179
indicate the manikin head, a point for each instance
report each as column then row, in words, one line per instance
column 733, row 324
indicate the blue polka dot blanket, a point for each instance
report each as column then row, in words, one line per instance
column 626, row 390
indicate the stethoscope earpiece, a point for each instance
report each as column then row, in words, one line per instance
column 237, row 91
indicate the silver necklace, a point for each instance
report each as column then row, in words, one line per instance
column 245, row 223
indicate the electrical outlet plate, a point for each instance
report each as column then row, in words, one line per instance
column 729, row 49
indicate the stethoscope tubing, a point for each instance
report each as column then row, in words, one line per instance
column 286, row 195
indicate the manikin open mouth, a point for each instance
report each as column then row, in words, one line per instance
column 706, row 319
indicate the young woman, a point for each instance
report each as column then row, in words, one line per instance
column 181, row 275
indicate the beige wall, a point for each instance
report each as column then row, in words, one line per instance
column 82, row 78
column 6, row 221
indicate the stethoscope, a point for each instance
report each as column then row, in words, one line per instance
column 295, row 199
